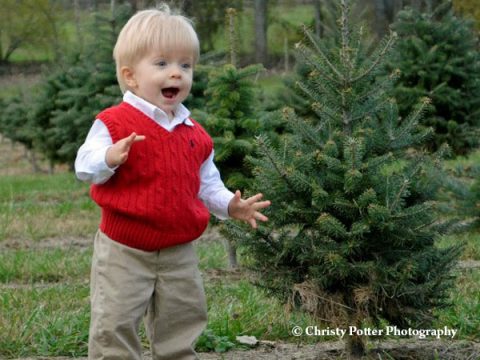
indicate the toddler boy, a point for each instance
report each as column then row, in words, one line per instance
column 152, row 173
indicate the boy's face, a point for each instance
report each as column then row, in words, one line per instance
column 163, row 80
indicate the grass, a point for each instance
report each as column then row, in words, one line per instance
column 463, row 315
column 471, row 239
column 58, row 265
column 31, row 54
column 211, row 255
column 53, row 320
column 239, row 308
column 44, row 322
column 35, row 207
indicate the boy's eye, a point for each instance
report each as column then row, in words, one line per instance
column 161, row 63
column 186, row 66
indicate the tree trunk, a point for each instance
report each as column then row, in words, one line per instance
column 318, row 18
column 78, row 28
column 416, row 4
column 261, row 54
column 398, row 6
column 232, row 254
column 355, row 347
column 1, row 46
column 32, row 158
column 134, row 5
column 286, row 51
column 429, row 6
column 93, row 5
column 389, row 11
column 232, row 36
column 380, row 18
column 187, row 7
column 51, row 167
column 15, row 44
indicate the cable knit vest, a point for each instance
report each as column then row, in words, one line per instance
column 151, row 202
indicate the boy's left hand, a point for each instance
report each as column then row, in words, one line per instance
column 246, row 210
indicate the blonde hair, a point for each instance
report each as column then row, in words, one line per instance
column 154, row 29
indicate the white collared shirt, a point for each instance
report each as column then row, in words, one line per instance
column 90, row 164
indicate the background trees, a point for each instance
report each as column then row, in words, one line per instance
column 28, row 23
column 55, row 118
column 437, row 55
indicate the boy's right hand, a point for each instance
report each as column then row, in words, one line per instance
column 117, row 154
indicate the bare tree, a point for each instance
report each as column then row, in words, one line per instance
column 381, row 19
column 76, row 8
column 318, row 18
column 416, row 4
column 386, row 11
column 261, row 11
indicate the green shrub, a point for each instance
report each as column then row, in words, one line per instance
column 437, row 55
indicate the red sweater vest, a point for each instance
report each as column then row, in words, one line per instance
column 151, row 202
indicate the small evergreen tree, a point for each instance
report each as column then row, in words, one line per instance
column 14, row 125
column 13, row 119
column 231, row 119
column 196, row 99
column 461, row 201
column 351, row 235
column 438, row 57
column 39, row 120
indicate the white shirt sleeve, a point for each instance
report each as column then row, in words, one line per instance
column 90, row 163
column 213, row 192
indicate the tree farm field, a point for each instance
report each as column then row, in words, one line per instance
column 47, row 224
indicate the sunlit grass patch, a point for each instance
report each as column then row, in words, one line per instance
column 239, row 308
column 35, row 207
column 471, row 239
column 28, row 266
column 211, row 254
column 464, row 314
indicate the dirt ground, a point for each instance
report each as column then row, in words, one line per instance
column 402, row 349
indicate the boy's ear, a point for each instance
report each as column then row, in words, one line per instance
column 128, row 76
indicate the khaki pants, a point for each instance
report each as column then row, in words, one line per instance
column 127, row 283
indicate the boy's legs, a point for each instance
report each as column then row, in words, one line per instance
column 177, row 313
column 122, row 282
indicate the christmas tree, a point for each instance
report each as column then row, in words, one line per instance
column 230, row 117
column 231, row 114
column 352, row 229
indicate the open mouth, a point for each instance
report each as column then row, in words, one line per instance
column 170, row 92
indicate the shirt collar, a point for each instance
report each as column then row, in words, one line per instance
column 181, row 114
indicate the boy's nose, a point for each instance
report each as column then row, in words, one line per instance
column 175, row 73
